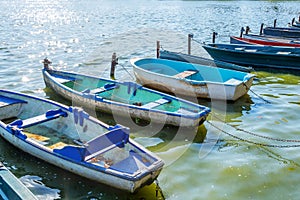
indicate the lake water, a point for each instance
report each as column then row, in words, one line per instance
column 81, row 35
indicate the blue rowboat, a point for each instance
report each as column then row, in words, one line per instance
column 256, row 55
column 291, row 32
column 190, row 79
column 71, row 139
column 164, row 54
column 12, row 188
column 125, row 98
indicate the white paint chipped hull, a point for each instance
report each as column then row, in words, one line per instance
column 230, row 90
column 91, row 174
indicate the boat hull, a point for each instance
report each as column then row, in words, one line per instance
column 105, row 178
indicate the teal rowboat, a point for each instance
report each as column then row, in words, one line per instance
column 127, row 99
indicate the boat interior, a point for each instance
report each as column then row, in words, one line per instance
column 189, row 71
column 124, row 92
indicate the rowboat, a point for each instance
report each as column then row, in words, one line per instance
column 189, row 79
column 296, row 23
column 164, row 54
column 272, row 38
column 257, row 56
column 242, row 40
column 124, row 98
column 292, row 32
column 70, row 138
column 11, row 187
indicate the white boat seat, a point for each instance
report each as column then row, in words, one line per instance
column 156, row 103
column 250, row 50
column 49, row 115
column 283, row 52
column 106, row 87
column 62, row 79
column 185, row 74
column 233, row 81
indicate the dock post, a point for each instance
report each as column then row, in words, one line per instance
column 247, row 30
column 242, row 31
column 214, row 37
column 157, row 49
column 190, row 36
column 46, row 63
column 114, row 62
column 261, row 29
column 275, row 20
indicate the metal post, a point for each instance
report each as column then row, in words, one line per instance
column 190, row 36
column 157, row 49
column 114, row 62
column 275, row 20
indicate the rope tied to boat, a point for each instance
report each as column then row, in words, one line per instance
column 260, row 97
column 126, row 71
column 256, row 135
column 158, row 190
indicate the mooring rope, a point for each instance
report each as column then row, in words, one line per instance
column 158, row 189
column 199, row 42
column 256, row 94
column 257, row 135
column 252, row 142
column 127, row 71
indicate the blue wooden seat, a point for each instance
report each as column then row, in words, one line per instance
column 106, row 142
column 49, row 115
